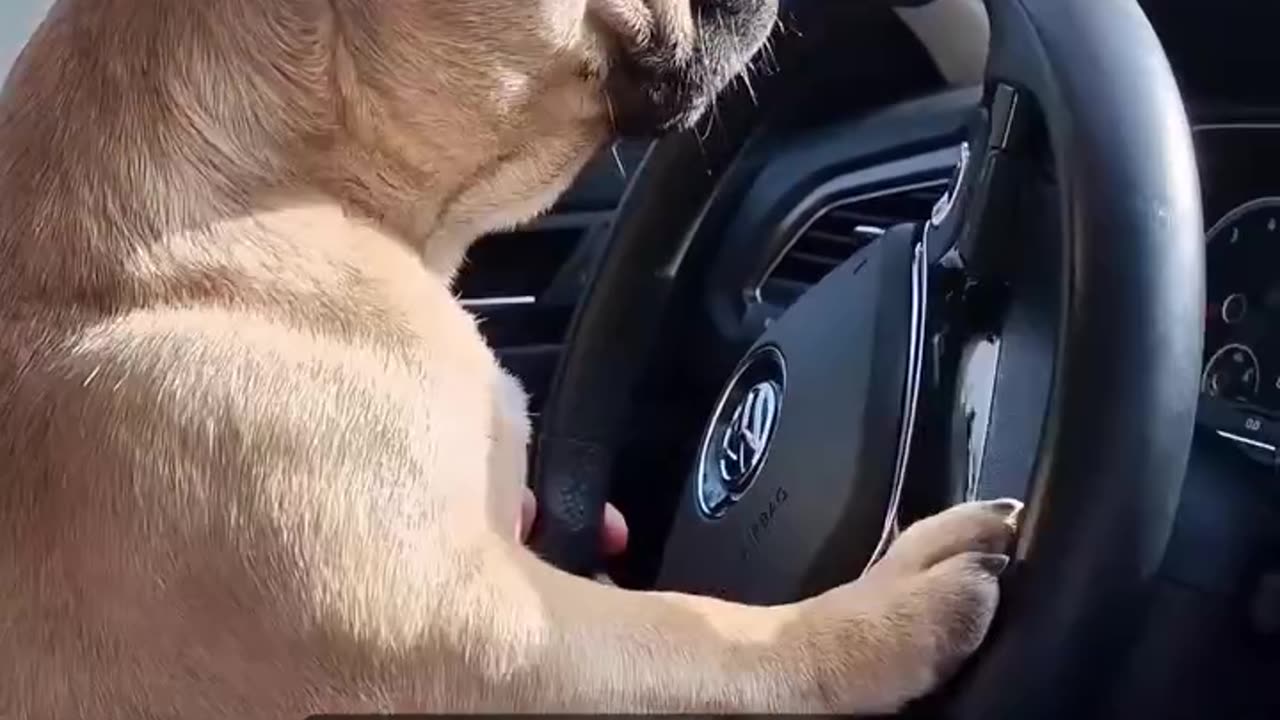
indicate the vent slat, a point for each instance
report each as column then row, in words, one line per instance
column 883, row 222
column 831, row 237
column 838, row 233
column 814, row 258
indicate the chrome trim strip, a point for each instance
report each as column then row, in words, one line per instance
column 499, row 301
column 911, row 392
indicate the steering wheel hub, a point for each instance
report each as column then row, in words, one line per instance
column 823, row 476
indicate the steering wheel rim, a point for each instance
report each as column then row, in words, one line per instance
column 1093, row 77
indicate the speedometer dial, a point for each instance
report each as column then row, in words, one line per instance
column 1242, row 321
column 1232, row 373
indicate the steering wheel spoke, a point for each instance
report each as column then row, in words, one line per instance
column 974, row 223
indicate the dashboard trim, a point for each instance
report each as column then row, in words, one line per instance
column 1217, row 126
column 498, row 301
column 1246, row 441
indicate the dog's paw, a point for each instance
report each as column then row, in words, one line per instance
column 926, row 606
column 950, row 606
column 982, row 527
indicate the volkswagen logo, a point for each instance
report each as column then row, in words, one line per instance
column 745, row 437
column 736, row 442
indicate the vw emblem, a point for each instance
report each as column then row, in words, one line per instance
column 747, row 434
column 736, row 442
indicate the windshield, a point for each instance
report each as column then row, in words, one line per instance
column 17, row 19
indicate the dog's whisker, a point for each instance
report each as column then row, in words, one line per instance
column 712, row 118
column 786, row 27
column 746, row 80
column 766, row 61
column 613, row 119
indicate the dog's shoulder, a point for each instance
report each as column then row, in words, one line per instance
column 288, row 429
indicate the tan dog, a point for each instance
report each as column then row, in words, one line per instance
column 255, row 459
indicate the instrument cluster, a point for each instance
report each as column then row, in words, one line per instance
column 1240, row 381
column 1242, row 316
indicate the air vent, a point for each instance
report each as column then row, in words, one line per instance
column 523, row 283
column 524, row 262
column 835, row 233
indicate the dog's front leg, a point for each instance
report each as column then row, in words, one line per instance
column 555, row 642
column 341, row 552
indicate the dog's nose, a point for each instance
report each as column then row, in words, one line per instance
column 732, row 8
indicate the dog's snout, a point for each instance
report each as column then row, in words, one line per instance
column 692, row 49
column 722, row 6
column 631, row 22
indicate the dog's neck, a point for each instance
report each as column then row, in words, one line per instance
column 135, row 124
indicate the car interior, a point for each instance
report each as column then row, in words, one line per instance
column 853, row 125
column 941, row 243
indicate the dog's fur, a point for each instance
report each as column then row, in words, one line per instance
column 255, row 459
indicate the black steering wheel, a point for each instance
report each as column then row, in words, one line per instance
column 1076, row 203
